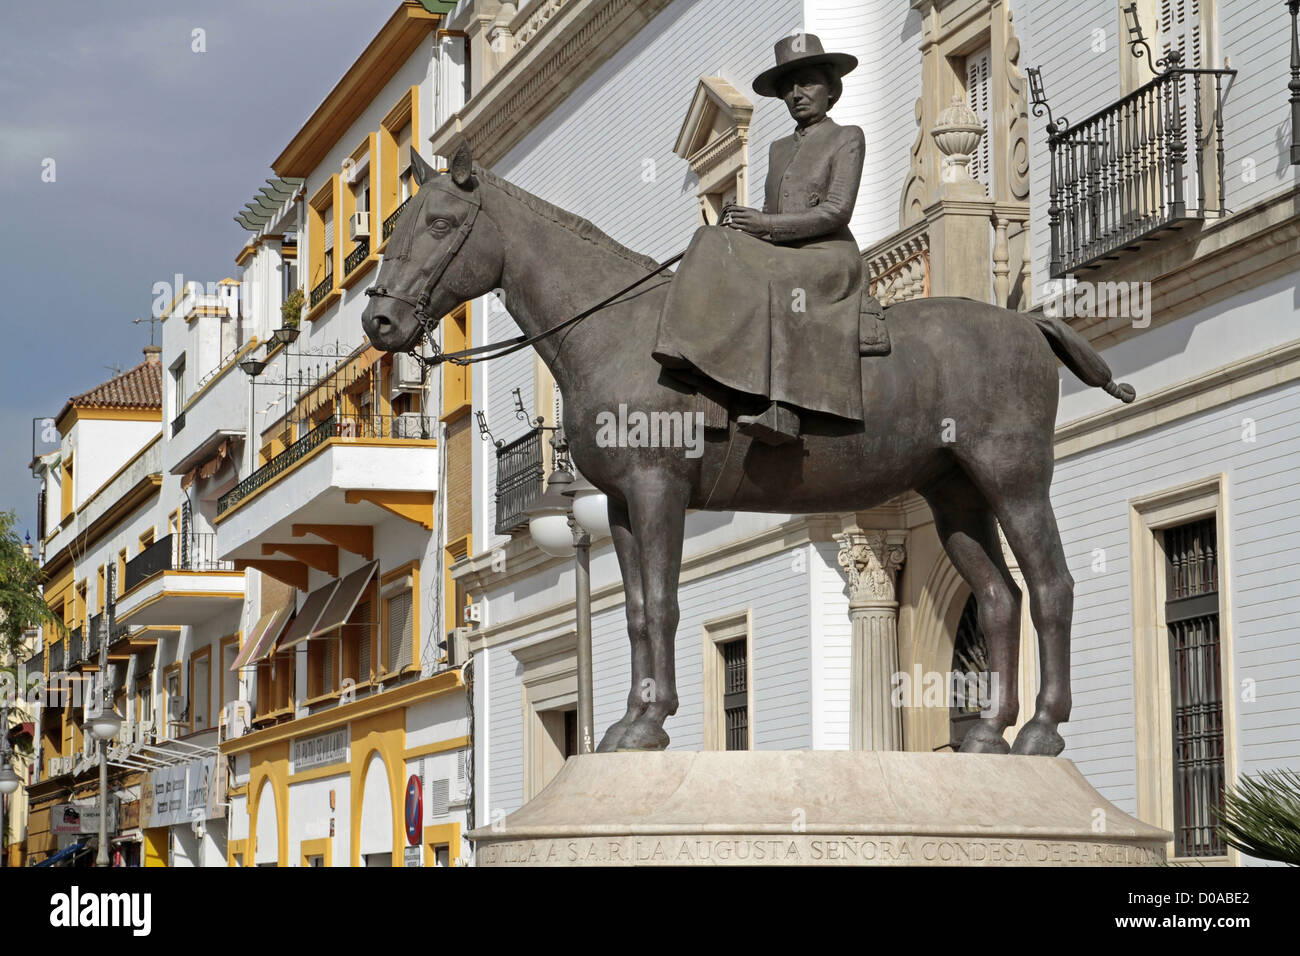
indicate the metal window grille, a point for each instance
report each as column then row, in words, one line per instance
column 1196, row 686
column 735, row 693
column 519, row 480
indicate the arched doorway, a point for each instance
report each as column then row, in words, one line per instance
column 376, row 836
column 266, row 848
column 968, row 673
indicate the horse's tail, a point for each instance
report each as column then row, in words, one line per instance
column 1081, row 358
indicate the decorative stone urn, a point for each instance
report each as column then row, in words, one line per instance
column 957, row 132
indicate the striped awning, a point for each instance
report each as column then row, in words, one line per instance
column 345, row 599
column 263, row 636
column 305, row 623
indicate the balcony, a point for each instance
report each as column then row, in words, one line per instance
column 57, row 651
column 319, row 293
column 355, row 257
column 345, row 471
column 519, row 480
column 178, row 580
column 75, row 654
column 1150, row 163
column 391, row 222
column 178, row 424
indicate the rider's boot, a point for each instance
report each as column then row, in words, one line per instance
column 776, row 426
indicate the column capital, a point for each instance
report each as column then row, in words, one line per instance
column 871, row 559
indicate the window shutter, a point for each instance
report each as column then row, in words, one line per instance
column 329, row 228
column 400, row 626
column 404, row 147
column 439, row 797
column 979, row 99
column 1180, row 27
column 362, row 623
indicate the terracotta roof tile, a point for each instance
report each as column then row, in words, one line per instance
column 141, row 387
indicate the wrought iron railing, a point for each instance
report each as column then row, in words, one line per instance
column 94, row 634
column 75, row 653
column 178, row 423
column 391, row 222
column 175, row 552
column 35, row 664
column 1150, row 162
column 412, row 425
column 356, row 256
column 279, row 463
column 519, row 480
column 57, row 652
column 325, row 287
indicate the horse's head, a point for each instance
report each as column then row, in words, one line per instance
column 442, row 252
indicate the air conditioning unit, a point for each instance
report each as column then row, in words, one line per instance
column 407, row 375
column 177, row 708
column 459, row 650
column 236, row 720
column 409, row 425
column 359, row 227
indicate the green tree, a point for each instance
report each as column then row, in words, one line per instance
column 21, row 605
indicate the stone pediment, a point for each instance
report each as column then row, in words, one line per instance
column 718, row 120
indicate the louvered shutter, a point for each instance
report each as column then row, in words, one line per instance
column 979, row 99
column 1181, row 28
column 362, row 619
column 400, row 627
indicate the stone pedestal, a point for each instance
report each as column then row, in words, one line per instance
column 818, row 808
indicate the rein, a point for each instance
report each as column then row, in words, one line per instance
column 502, row 349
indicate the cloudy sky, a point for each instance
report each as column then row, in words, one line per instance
column 155, row 147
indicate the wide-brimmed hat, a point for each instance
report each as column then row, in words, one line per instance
column 801, row 49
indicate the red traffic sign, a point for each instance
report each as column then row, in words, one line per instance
column 414, row 810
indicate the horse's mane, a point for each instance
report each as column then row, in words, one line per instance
column 583, row 228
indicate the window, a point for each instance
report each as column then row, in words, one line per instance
column 146, row 539
column 81, row 608
column 395, row 181
column 1182, row 660
column 714, row 140
column 176, row 714
column 728, row 684
column 400, row 631
column 174, row 522
column 178, row 385
column 65, row 488
column 101, row 584
column 357, row 643
column 121, row 573
column 322, row 666
column 1196, row 685
column 322, row 213
column 456, row 383
column 200, row 689
column 229, row 678
column 979, row 97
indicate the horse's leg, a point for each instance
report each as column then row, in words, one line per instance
column 1030, row 526
column 657, row 507
column 1017, row 483
column 629, row 563
column 969, row 535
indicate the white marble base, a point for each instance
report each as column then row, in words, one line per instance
column 818, row 808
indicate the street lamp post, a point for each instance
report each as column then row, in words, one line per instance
column 104, row 723
column 8, row 779
column 561, row 523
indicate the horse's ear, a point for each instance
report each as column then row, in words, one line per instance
column 420, row 169
column 462, row 166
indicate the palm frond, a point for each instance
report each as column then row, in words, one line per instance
column 1261, row 816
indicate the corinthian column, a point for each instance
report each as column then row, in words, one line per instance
column 871, row 560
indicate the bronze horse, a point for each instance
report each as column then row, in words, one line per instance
column 962, row 411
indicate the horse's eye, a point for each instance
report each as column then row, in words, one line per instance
column 440, row 225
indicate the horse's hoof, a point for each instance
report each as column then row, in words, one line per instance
column 644, row 735
column 1038, row 739
column 613, row 737
column 984, row 740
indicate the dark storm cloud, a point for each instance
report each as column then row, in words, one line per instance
column 155, row 147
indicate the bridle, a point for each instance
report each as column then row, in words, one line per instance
column 428, row 323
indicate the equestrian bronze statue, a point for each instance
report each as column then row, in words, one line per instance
column 961, row 409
